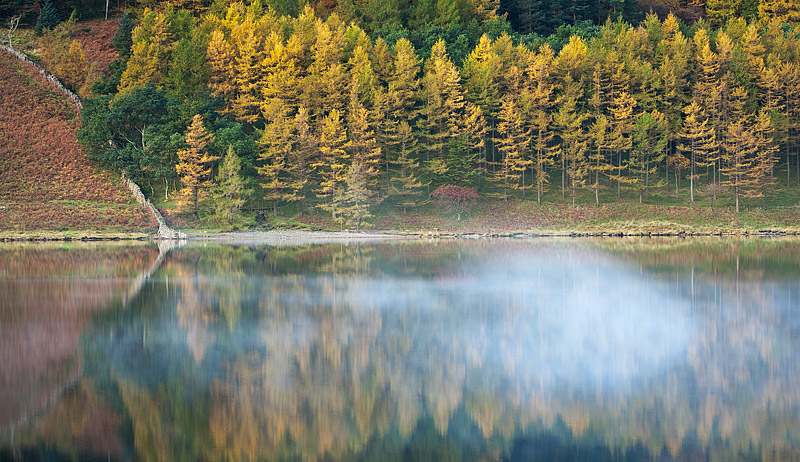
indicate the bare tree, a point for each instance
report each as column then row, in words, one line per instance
column 13, row 23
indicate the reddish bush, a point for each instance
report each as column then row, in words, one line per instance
column 455, row 198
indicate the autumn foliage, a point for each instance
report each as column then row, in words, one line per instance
column 455, row 198
column 46, row 181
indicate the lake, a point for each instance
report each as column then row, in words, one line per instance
column 542, row 349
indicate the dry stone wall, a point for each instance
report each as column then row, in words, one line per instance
column 164, row 231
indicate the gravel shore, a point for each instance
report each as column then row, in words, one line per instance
column 292, row 236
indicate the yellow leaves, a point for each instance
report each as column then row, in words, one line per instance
column 511, row 143
column 74, row 67
column 193, row 167
column 572, row 57
column 151, row 44
column 220, row 63
column 779, row 10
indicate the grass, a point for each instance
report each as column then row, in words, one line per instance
column 72, row 235
column 549, row 218
column 48, row 187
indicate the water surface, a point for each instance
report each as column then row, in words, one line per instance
column 615, row 349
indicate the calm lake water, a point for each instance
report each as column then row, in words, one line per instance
column 613, row 349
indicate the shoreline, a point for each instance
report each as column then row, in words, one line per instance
column 294, row 236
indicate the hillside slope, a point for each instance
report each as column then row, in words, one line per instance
column 47, row 182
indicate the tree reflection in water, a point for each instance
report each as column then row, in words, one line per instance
column 488, row 350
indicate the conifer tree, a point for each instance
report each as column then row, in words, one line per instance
column 405, row 185
column 649, row 142
column 698, row 140
column 331, row 165
column 740, row 167
column 404, row 83
column 220, row 66
column 358, row 196
column 362, row 145
column 122, row 39
column 74, row 66
column 48, row 17
column 599, row 162
column 362, row 79
column 537, row 102
column 276, row 168
column 780, row 10
column 324, row 86
column 474, row 134
column 230, row 193
column 766, row 150
column 719, row 11
column 149, row 54
column 381, row 59
column 383, row 127
column 443, row 107
column 622, row 117
column 247, row 78
column 481, row 73
column 302, row 156
column 279, row 78
column 571, row 59
column 512, row 143
column 708, row 82
column 569, row 122
column 193, row 166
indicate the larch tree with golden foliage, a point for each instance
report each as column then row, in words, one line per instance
column 621, row 139
column 358, row 197
column 780, row 10
column 332, row 165
column 536, row 102
column 698, row 138
column 275, row 169
column 149, row 53
column 740, row 169
column 194, row 166
column 569, row 121
column 405, row 185
column 443, row 105
column 362, row 145
column 74, row 66
column 649, row 142
column 512, row 143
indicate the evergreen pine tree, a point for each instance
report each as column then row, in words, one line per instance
column 48, row 17
column 230, row 193
column 122, row 39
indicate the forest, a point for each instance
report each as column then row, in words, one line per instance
column 341, row 106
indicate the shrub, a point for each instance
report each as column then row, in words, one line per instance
column 455, row 199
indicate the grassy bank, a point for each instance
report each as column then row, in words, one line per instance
column 48, row 186
column 524, row 216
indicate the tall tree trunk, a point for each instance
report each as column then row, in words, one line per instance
column 619, row 174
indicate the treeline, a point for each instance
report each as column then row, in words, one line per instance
column 321, row 114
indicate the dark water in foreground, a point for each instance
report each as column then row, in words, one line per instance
column 620, row 349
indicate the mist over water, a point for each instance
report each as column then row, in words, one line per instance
column 531, row 315
column 490, row 350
